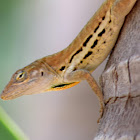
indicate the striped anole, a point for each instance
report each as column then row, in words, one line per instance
column 75, row 63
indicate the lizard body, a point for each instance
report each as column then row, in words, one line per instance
column 75, row 63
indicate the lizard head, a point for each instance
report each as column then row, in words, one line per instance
column 32, row 79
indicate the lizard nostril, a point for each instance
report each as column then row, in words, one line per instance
column 2, row 96
column 42, row 73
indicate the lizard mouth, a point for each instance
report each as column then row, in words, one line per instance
column 4, row 97
column 10, row 96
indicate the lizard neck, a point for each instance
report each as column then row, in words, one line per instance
column 91, row 46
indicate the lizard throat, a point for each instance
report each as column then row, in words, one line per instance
column 63, row 86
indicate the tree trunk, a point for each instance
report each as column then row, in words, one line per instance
column 121, row 84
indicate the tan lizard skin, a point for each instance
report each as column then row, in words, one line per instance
column 75, row 63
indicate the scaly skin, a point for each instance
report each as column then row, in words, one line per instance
column 75, row 63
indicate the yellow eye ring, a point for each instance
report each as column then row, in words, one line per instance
column 20, row 76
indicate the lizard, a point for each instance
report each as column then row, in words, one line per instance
column 75, row 63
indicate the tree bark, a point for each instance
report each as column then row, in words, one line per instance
column 121, row 84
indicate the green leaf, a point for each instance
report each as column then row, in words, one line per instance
column 8, row 129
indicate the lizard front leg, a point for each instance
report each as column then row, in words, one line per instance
column 80, row 75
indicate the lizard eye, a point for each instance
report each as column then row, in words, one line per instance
column 20, row 76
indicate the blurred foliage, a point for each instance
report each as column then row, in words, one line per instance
column 7, row 23
column 9, row 32
column 8, row 129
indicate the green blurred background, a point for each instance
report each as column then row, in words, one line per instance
column 29, row 30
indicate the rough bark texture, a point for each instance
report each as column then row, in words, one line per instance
column 121, row 84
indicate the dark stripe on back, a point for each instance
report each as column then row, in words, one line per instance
column 75, row 54
column 94, row 44
column 87, row 40
column 88, row 54
column 101, row 33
